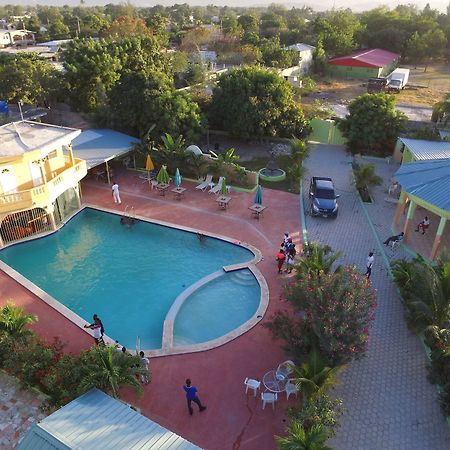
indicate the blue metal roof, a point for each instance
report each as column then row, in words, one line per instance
column 100, row 145
column 427, row 150
column 428, row 180
column 97, row 421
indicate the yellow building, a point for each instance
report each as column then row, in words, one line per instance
column 39, row 179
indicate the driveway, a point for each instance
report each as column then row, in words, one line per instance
column 390, row 404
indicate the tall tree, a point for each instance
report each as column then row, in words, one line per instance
column 28, row 78
column 254, row 102
column 338, row 31
column 373, row 124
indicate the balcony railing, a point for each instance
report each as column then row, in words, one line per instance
column 43, row 194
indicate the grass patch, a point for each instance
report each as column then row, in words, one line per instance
column 283, row 162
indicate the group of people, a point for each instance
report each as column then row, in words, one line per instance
column 286, row 254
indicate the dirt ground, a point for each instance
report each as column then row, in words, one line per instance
column 424, row 88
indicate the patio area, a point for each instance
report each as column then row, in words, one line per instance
column 233, row 420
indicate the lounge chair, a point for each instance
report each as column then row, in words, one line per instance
column 203, row 185
column 216, row 189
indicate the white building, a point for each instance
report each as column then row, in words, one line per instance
column 305, row 56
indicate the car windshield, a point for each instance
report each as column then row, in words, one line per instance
column 324, row 193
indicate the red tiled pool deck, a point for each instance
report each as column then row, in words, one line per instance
column 232, row 419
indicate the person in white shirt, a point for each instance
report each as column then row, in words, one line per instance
column 116, row 193
column 145, row 362
column 369, row 265
column 423, row 225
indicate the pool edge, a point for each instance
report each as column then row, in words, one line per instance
column 165, row 350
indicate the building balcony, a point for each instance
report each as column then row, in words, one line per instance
column 40, row 196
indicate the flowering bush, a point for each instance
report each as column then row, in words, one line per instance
column 337, row 308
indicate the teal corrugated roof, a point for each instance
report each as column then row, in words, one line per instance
column 428, row 180
column 100, row 145
column 427, row 150
column 97, row 421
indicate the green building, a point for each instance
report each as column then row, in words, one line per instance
column 364, row 64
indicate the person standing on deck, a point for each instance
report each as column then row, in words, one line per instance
column 116, row 193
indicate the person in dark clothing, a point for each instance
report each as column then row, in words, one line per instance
column 191, row 396
column 396, row 238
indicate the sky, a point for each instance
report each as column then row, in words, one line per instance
column 355, row 5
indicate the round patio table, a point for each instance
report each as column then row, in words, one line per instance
column 275, row 382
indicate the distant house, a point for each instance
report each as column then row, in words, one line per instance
column 97, row 421
column 363, row 64
column 305, row 56
column 16, row 37
column 292, row 75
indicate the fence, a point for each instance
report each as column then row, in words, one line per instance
column 326, row 132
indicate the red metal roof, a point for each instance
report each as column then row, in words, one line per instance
column 375, row 57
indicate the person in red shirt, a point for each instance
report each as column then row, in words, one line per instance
column 280, row 259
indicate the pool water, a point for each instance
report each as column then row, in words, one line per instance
column 131, row 276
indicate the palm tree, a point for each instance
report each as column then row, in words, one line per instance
column 301, row 439
column 430, row 298
column 173, row 151
column 314, row 376
column 13, row 321
column 441, row 111
column 197, row 163
column 225, row 165
column 319, row 259
column 107, row 369
column 364, row 176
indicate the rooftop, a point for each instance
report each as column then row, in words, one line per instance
column 427, row 180
column 375, row 57
column 17, row 138
column 427, row 150
column 299, row 47
column 96, row 420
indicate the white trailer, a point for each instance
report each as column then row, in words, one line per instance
column 398, row 79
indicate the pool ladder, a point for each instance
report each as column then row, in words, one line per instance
column 129, row 215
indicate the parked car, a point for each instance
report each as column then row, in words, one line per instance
column 323, row 197
column 375, row 85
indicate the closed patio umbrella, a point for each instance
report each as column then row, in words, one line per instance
column 163, row 176
column 258, row 195
column 223, row 188
column 149, row 166
column 177, row 177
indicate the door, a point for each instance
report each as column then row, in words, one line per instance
column 8, row 182
column 36, row 174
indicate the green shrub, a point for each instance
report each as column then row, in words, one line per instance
column 322, row 410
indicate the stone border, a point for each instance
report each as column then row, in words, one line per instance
column 167, row 347
column 272, row 179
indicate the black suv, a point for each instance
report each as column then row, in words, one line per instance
column 323, row 197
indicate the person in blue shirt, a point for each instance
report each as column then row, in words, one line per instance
column 191, row 396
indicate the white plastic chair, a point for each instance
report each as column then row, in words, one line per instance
column 216, row 189
column 291, row 388
column 285, row 369
column 204, row 184
column 269, row 397
column 252, row 384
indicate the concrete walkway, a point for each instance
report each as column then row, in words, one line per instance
column 19, row 409
column 390, row 404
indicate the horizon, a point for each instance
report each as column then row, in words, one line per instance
column 355, row 5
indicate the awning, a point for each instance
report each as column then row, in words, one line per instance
column 101, row 145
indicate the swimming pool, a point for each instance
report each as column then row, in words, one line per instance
column 131, row 277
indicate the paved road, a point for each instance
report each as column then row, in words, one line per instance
column 416, row 113
column 389, row 402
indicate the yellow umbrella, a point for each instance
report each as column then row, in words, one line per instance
column 149, row 164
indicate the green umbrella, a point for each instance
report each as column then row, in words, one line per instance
column 163, row 176
column 223, row 188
